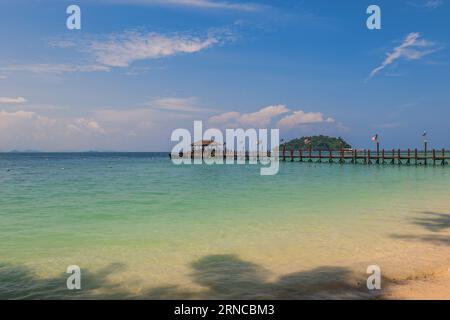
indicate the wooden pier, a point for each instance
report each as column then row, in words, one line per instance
column 394, row 156
column 353, row 156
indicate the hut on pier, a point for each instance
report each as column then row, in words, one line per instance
column 202, row 147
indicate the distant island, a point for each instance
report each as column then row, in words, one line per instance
column 317, row 143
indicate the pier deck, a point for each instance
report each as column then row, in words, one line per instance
column 380, row 157
column 394, row 156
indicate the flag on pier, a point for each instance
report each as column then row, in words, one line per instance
column 375, row 138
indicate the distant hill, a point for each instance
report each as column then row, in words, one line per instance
column 317, row 143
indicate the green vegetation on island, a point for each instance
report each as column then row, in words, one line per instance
column 317, row 143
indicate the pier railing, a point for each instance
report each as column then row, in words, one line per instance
column 393, row 156
column 355, row 156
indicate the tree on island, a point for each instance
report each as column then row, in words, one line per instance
column 321, row 142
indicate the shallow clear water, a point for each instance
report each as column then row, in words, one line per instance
column 139, row 226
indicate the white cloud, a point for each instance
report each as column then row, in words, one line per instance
column 83, row 125
column 189, row 104
column 258, row 119
column 23, row 127
column 57, row 68
column 138, row 129
column 227, row 119
column 298, row 118
column 9, row 100
column 201, row 4
column 263, row 116
column 105, row 52
column 412, row 48
column 433, row 4
column 267, row 118
column 135, row 129
column 122, row 50
column 7, row 118
column 45, row 107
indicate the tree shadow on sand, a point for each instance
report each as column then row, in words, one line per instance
column 434, row 222
column 23, row 283
column 215, row 276
column 229, row 277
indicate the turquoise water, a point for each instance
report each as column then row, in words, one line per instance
column 139, row 226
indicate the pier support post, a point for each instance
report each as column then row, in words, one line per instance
column 342, row 157
column 378, row 152
column 425, row 150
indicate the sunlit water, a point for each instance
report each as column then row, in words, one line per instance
column 139, row 226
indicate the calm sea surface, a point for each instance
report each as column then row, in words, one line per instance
column 139, row 226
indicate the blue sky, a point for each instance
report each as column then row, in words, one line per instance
column 139, row 69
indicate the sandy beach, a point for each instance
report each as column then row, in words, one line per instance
column 434, row 285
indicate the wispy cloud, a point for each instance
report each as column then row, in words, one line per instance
column 433, row 3
column 200, row 4
column 106, row 52
column 190, row 104
column 430, row 4
column 56, row 68
column 427, row 4
column 12, row 100
column 413, row 47
column 122, row 50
